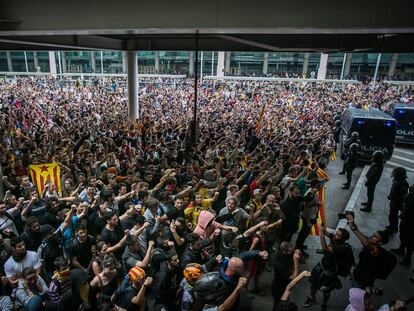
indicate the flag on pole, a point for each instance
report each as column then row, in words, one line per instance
column 260, row 117
column 41, row 173
column 323, row 178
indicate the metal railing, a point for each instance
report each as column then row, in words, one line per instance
column 259, row 79
column 83, row 75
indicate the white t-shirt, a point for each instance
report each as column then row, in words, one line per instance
column 12, row 267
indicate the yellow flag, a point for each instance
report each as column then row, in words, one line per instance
column 41, row 173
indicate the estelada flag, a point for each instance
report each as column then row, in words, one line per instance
column 323, row 178
column 260, row 117
column 41, row 173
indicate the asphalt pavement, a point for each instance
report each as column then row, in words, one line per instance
column 337, row 200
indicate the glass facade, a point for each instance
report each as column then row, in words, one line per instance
column 360, row 65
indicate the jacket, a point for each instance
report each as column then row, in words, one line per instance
column 130, row 258
column 356, row 300
column 203, row 221
column 374, row 174
column 398, row 190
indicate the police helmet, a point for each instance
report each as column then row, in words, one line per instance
column 355, row 135
column 209, row 287
column 378, row 157
column 353, row 147
column 337, row 123
column 337, row 117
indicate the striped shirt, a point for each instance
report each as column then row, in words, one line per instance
column 57, row 289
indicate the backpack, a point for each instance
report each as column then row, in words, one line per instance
column 388, row 263
column 180, row 294
column 345, row 260
column 123, row 289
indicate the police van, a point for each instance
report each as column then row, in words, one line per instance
column 376, row 131
column 404, row 115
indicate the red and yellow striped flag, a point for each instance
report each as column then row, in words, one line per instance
column 323, row 178
column 259, row 120
column 41, row 173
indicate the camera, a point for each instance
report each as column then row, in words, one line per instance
column 374, row 291
column 344, row 214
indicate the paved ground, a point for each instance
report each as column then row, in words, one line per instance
column 337, row 200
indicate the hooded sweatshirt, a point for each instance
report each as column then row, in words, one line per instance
column 356, row 300
column 203, row 220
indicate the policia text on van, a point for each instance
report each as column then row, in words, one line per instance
column 376, row 131
column 404, row 115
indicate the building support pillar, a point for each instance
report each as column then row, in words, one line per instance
column 133, row 105
column 63, row 56
column 393, row 64
column 52, row 63
column 9, row 62
column 305, row 64
column 191, row 63
column 323, row 64
column 348, row 62
column 124, row 62
column 265, row 63
column 220, row 64
column 227, row 70
column 377, row 67
column 93, row 61
column 157, row 62
column 35, row 61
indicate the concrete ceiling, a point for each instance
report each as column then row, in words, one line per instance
column 233, row 25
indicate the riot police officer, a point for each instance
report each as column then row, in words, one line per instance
column 354, row 139
column 336, row 132
column 350, row 164
column 372, row 178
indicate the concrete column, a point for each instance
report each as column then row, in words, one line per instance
column 52, row 63
column 93, row 61
column 348, row 62
column 191, row 63
column 377, row 67
column 220, row 64
column 323, row 64
column 124, row 62
column 305, row 64
column 157, row 62
column 393, row 64
column 265, row 63
column 35, row 61
column 9, row 62
column 227, row 70
column 63, row 61
column 133, row 106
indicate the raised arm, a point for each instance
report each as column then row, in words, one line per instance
column 363, row 238
column 293, row 283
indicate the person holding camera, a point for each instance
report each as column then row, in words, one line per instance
column 375, row 262
column 337, row 260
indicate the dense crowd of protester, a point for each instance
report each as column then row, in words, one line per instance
column 152, row 217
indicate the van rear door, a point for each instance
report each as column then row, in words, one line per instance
column 375, row 135
column 405, row 124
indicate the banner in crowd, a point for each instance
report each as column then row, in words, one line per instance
column 45, row 173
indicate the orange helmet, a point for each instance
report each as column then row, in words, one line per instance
column 192, row 272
